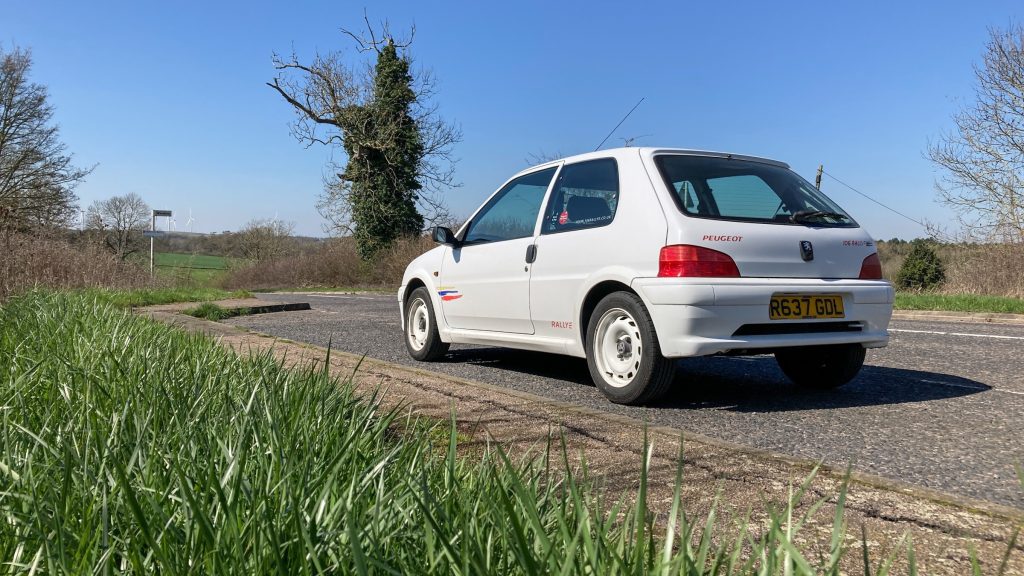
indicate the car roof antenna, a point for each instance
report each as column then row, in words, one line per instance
column 619, row 124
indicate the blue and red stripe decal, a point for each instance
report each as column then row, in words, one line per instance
column 448, row 293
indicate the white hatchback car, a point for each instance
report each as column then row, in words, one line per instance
column 636, row 256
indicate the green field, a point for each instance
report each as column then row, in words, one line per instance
column 191, row 260
column 195, row 269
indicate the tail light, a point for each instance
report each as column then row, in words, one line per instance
column 871, row 269
column 685, row 261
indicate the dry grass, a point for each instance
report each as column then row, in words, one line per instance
column 333, row 264
column 28, row 262
column 994, row 270
column 980, row 269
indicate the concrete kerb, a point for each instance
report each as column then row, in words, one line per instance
column 246, row 306
column 949, row 316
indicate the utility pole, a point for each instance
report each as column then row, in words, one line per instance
column 817, row 179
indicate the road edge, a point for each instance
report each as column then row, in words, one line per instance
column 951, row 316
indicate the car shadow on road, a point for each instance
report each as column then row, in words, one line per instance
column 756, row 384
column 741, row 384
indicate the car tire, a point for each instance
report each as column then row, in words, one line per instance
column 623, row 355
column 821, row 367
column 421, row 337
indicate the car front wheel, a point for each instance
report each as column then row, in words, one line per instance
column 421, row 337
column 623, row 355
column 821, row 367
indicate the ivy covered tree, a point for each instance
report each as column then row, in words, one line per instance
column 398, row 150
column 384, row 147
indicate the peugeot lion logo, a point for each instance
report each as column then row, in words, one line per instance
column 806, row 250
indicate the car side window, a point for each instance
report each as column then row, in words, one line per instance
column 586, row 195
column 512, row 212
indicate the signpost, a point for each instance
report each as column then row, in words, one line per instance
column 154, row 233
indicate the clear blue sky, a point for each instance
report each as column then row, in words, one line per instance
column 169, row 98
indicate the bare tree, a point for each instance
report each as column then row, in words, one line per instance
column 337, row 105
column 541, row 156
column 264, row 240
column 37, row 177
column 983, row 160
column 119, row 222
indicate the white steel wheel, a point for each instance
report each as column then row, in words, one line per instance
column 418, row 325
column 619, row 347
column 421, row 336
column 623, row 355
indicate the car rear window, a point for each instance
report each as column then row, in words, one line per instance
column 748, row 191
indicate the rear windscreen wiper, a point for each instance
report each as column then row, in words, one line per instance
column 809, row 215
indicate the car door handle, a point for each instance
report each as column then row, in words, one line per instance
column 531, row 253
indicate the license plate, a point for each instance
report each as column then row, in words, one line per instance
column 805, row 306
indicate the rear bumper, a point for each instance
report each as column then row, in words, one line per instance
column 700, row 317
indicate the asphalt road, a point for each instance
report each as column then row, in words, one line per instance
column 941, row 407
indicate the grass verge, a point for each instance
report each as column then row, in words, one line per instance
column 959, row 303
column 128, row 447
column 154, row 296
column 211, row 311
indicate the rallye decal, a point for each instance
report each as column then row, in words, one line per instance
column 448, row 293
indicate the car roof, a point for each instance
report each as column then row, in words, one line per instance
column 650, row 152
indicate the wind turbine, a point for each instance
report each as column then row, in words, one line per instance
column 188, row 225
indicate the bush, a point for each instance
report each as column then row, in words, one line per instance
column 922, row 269
column 32, row 261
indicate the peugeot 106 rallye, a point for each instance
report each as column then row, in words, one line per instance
column 634, row 257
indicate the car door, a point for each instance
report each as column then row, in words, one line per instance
column 574, row 242
column 485, row 281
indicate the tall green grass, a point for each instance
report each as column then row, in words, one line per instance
column 130, row 448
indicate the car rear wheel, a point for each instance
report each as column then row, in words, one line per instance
column 821, row 367
column 623, row 355
column 421, row 337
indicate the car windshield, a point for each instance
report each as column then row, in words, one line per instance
column 747, row 191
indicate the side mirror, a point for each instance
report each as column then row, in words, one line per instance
column 443, row 235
